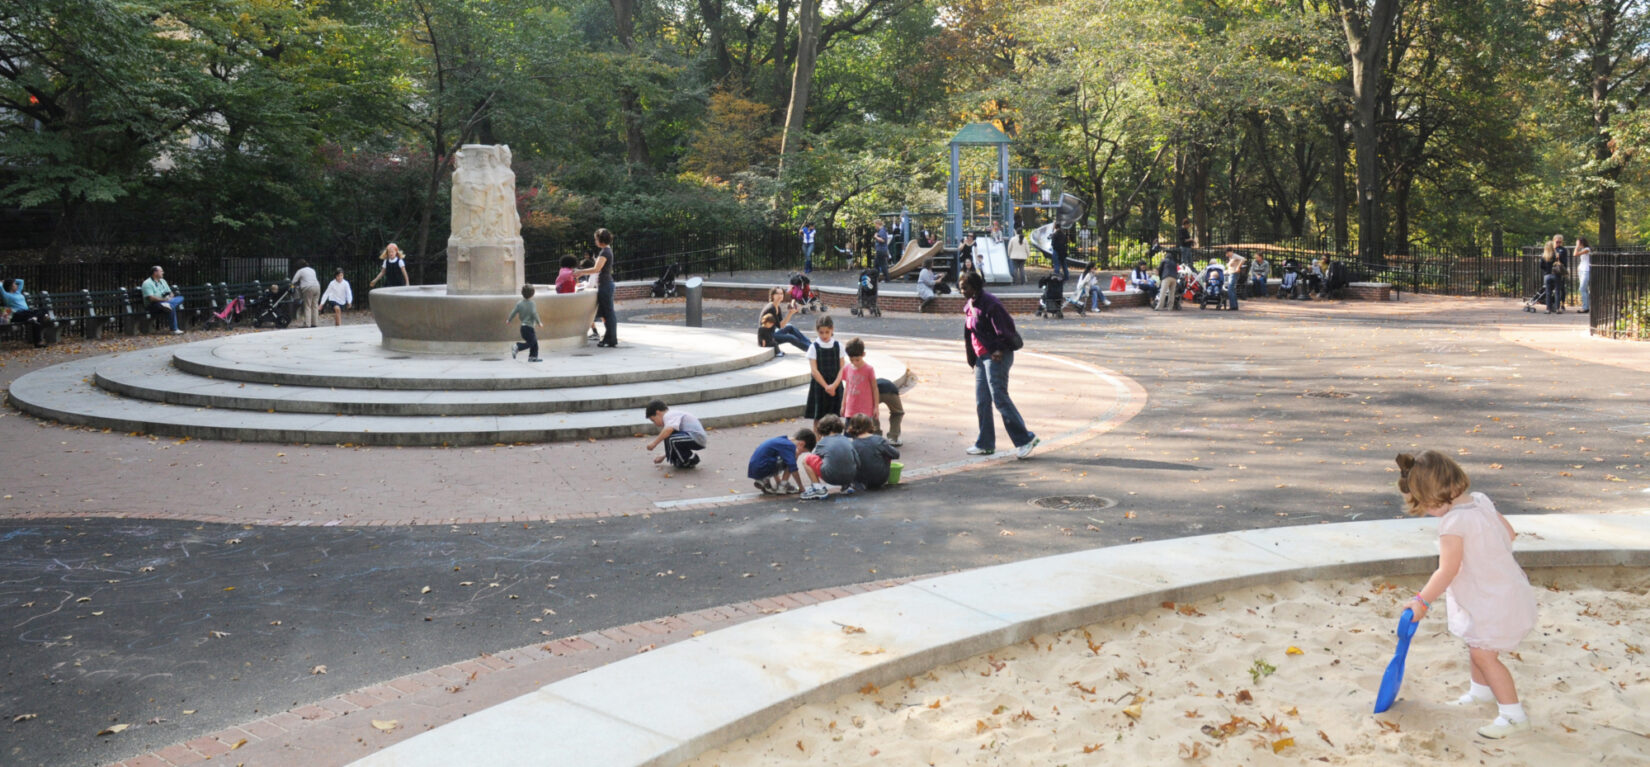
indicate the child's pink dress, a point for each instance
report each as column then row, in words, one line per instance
column 859, row 391
column 1491, row 605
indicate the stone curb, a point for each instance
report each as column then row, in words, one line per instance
column 672, row 704
column 293, row 724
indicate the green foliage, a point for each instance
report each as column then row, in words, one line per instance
column 1261, row 669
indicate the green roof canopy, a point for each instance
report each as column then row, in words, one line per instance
column 980, row 134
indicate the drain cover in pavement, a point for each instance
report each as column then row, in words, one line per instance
column 1073, row 502
column 1326, row 394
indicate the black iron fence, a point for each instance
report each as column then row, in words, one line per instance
column 1620, row 296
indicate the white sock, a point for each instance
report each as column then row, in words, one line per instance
column 1478, row 693
column 1513, row 712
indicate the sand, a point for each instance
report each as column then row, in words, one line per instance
column 1280, row 674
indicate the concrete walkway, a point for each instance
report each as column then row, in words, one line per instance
column 1280, row 414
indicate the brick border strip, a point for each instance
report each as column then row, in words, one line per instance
column 648, row 635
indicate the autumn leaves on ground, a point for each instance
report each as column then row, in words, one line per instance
column 1277, row 674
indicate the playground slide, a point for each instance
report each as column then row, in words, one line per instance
column 991, row 258
column 912, row 258
column 1040, row 239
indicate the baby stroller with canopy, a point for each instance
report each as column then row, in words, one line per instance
column 1213, row 287
column 272, row 307
column 231, row 313
column 868, row 283
column 1051, row 302
column 665, row 286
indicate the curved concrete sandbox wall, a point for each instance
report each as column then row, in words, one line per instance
column 425, row 318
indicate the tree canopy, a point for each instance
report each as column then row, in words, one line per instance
column 327, row 127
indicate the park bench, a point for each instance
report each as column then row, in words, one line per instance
column 37, row 301
column 199, row 303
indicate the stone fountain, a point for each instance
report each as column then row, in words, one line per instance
column 485, row 272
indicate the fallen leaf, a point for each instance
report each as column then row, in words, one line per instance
column 1325, row 737
column 318, row 670
column 24, row 718
column 238, row 744
column 1092, row 748
column 935, row 704
column 113, row 729
column 1279, row 745
column 424, row 590
column 1243, row 696
column 1293, row 650
column 847, row 629
column 1392, row 726
column 1132, row 712
column 386, row 725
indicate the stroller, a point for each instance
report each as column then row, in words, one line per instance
column 868, row 280
column 1291, row 278
column 232, row 313
column 1053, row 299
column 271, row 308
column 803, row 293
column 665, row 286
column 1538, row 302
column 1213, row 287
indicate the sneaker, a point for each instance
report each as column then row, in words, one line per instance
column 1024, row 451
column 896, row 443
column 791, row 488
column 1501, row 728
column 814, row 493
column 765, row 486
column 977, row 450
column 514, row 350
column 846, row 491
column 177, row 332
column 535, row 359
column 691, row 462
column 594, row 336
column 777, row 354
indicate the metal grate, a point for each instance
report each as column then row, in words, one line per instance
column 1073, row 502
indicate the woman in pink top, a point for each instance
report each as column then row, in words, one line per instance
column 859, row 383
column 1491, row 605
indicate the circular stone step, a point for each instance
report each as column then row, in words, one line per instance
column 351, row 357
column 169, row 401
column 147, row 375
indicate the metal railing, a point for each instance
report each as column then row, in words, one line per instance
column 1620, row 300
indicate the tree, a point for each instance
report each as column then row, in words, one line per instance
column 1601, row 49
column 1368, row 27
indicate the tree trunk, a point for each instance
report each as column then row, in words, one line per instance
column 1602, row 154
column 630, row 103
column 1368, row 29
column 1200, row 197
column 1401, row 188
column 802, row 77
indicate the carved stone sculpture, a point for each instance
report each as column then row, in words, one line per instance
column 484, row 251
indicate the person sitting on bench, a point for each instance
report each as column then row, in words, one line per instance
column 21, row 314
column 157, row 294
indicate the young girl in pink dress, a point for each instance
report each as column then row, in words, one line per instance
column 859, row 383
column 1490, row 603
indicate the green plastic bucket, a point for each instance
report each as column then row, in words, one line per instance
column 894, row 470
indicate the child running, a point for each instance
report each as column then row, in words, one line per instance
column 1490, row 603
column 859, row 384
column 872, row 451
column 773, row 465
column 529, row 315
column 833, row 461
column 825, row 363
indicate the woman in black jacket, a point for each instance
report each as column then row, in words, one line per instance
column 990, row 340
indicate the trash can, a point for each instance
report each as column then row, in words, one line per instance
column 894, row 470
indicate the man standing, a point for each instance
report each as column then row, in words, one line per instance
column 158, row 295
column 12, row 294
column 1234, row 275
column 881, row 237
column 1061, row 247
column 808, row 247
column 1168, row 276
column 309, row 294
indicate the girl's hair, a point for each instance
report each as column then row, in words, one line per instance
column 859, row 424
column 974, row 282
column 829, row 424
column 604, row 237
column 1582, row 241
column 384, row 255
column 824, row 322
column 1548, row 252
column 856, row 348
column 527, row 291
column 807, row 438
column 1429, row 480
column 569, row 262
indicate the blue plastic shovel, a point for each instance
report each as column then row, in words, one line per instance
column 1394, row 676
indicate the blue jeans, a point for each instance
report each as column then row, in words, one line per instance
column 171, row 310
column 807, row 258
column 881, row 262
column 991, row 388
column 1059, row 263
column 1551, row 283
column 789, row 334
column 1259, row 284
column 1231, row 293
column 604, row 310
column 529, row 341
column 1586, row 296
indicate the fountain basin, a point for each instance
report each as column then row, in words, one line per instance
column 426, row 319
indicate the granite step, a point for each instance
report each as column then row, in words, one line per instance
column 147, row 375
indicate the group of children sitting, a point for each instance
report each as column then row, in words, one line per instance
column 859, row 460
